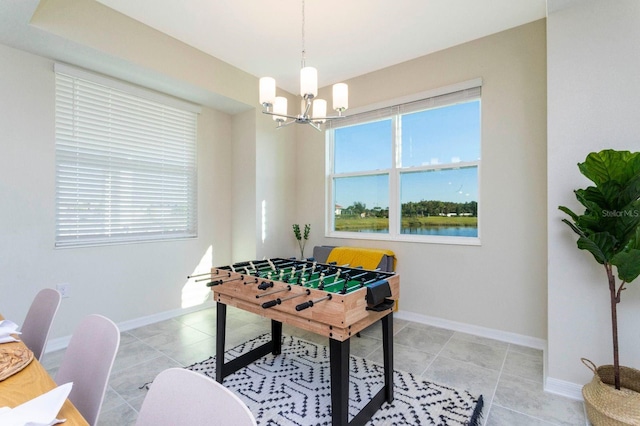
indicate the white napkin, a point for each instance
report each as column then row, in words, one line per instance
column 40, row 411
column 7, row 328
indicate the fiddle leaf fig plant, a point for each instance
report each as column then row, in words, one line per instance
column 609, row 228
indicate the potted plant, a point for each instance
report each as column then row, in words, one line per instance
column 302, row 238
column 609, row 229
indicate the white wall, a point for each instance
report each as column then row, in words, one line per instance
column 500, row 285
column 593, row 103
column 123, row 282
column 263, row 181
column 275, row 188
column 243, row 183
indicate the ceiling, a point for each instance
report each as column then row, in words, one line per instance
column 343, row 38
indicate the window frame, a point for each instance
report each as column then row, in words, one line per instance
column 89, row 108
column 377, row 112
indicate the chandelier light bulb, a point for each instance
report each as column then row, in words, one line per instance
column 280, row 107
column 309, row 82
column 340, row 97
column 267, row 90
column 319, row 110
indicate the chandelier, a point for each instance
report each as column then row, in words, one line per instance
column 313, row 111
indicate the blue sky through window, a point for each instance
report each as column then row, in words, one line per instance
column 363, row 147
column 438, row 136
column 370, row 190
column 454, row 185
column 441, row 135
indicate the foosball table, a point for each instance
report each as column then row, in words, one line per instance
column 334, row 301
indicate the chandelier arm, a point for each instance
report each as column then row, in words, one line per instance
column 294, row 117
column 282, row 124
column 314, row 125
column 330, row 117
column 307, row 106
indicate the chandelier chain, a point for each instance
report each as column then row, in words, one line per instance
column 303, row 48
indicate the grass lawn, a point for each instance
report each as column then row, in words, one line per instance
column 355, row 223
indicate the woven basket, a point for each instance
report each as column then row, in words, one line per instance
column 607, row 406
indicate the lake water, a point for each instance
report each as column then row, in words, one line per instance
column 453, row 231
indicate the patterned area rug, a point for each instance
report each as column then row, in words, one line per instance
column 294, row 389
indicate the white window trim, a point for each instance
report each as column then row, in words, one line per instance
column 394, row 176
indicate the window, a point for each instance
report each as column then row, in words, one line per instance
column 408, row 172
column 125, row 162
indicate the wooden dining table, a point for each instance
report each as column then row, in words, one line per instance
column 33, row 381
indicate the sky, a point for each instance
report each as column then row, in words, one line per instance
column 446, row 135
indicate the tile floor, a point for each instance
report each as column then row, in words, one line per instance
column 508, row 376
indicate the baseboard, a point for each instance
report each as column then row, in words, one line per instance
column 563, row 388
column 63, row 342
column 504, row 336
column 57, row 344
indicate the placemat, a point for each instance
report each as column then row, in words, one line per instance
column 13, row 358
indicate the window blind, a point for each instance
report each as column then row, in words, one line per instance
column 125, row 166
column 408, row 107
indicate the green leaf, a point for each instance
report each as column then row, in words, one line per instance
column 629, row 192
column 592, row 198
column 296, row 231
column 600, row 245
column 628, row 261
column 628, row 264
column 610, row 191
column 624, row 222
column 610, row 165
column 574, row 228
column 569, row 212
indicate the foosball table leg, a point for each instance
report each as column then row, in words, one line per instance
column 387, row 353
column 221, row 326
column 339, row 364
column 276, row 337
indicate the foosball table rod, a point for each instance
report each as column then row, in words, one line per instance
column 269, row 293
column 272, row 303
column 311, row 303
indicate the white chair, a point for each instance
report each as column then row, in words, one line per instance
column 87, row 363
column 37, row 324
column 180, row 397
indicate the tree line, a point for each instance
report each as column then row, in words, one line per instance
column 416, row 209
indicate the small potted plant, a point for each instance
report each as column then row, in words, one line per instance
column 609, row 229
column 301, row 237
